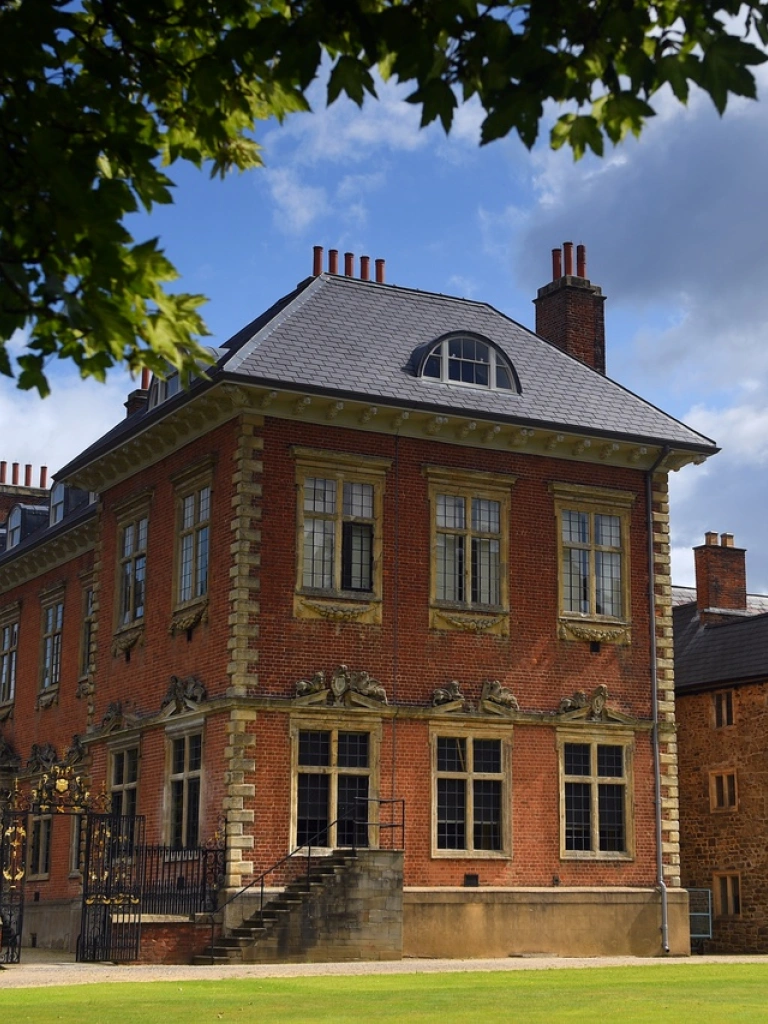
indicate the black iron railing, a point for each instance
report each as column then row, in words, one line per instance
column 181, row 881
column 386, row 832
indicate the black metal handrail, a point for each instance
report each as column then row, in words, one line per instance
column 391, row 826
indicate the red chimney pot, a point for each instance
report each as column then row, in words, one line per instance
column 380, row 271
column 581, row 261
column 557, row 264
column 349, row 264
column 317, row 260
column 568, row 257
column 43, row 477
column 15, row 476
column 333, row 261
column 365, row 268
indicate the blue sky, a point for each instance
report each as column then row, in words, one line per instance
column 676, row 229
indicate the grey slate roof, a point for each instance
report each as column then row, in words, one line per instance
column 712, row 655
column 350, row 337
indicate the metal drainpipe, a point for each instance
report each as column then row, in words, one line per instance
column 655, row 700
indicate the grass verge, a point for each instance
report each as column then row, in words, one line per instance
column 732, row 993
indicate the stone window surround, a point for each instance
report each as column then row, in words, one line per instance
column 336, row 722
column 468, row 484
column 337, row 605
column 190, row 481
column 591, row 626
column 40, row 841
column 178, row 729
column 468, row 732
column 127, row 512
column 51, row 599
column 10, row 615
column 726, row 890
column 87, row 632
column 594, row 736
column 119, row 747
column 723, row 706
column 723, row 791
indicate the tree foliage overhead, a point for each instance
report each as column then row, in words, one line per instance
column 99, row 97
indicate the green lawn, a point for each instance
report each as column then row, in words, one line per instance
column 684, row 994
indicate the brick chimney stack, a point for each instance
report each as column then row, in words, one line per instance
column 721, row 578
column 569, row 310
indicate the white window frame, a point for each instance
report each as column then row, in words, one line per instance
column 441, row 352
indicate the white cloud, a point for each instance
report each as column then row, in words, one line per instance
column 296, row 205
column 51, row 431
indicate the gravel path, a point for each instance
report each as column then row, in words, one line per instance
column 41, row 968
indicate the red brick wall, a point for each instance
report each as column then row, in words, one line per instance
column 573, row 318
column 402, row 652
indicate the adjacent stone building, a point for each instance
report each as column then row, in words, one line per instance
column 397, row 550
column 721, row 677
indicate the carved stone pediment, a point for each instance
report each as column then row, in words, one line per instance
column 344, row 688
column 42, row 757
column 75, row 752
column 183, row 695
column 449, row 698
column 496, row 699
column 8, row 757
column 113, row 719
column 590, row 708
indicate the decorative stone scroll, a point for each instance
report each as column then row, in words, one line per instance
column 47, row 698
column 183, row 695
column 344, row 688
column 185, row 620
column 600, row 634
column 126, row 640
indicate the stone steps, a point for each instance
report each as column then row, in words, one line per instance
column 253, row 941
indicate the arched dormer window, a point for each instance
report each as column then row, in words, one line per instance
column 57, row 503
column 14, row 527
column 467, row 359
column 160, row 389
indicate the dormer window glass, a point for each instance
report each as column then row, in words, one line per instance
column 471, row 361
column 14, row 527
column 57, row 503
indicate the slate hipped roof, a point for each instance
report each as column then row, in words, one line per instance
column 357, row 338
column 349, row 338
column 718, row 653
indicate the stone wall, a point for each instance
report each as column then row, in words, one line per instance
column 555, row 922
column 358, row 915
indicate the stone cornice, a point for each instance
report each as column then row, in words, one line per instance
column 220, row 403
column 47, row 555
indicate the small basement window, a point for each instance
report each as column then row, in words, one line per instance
column 469, row 360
